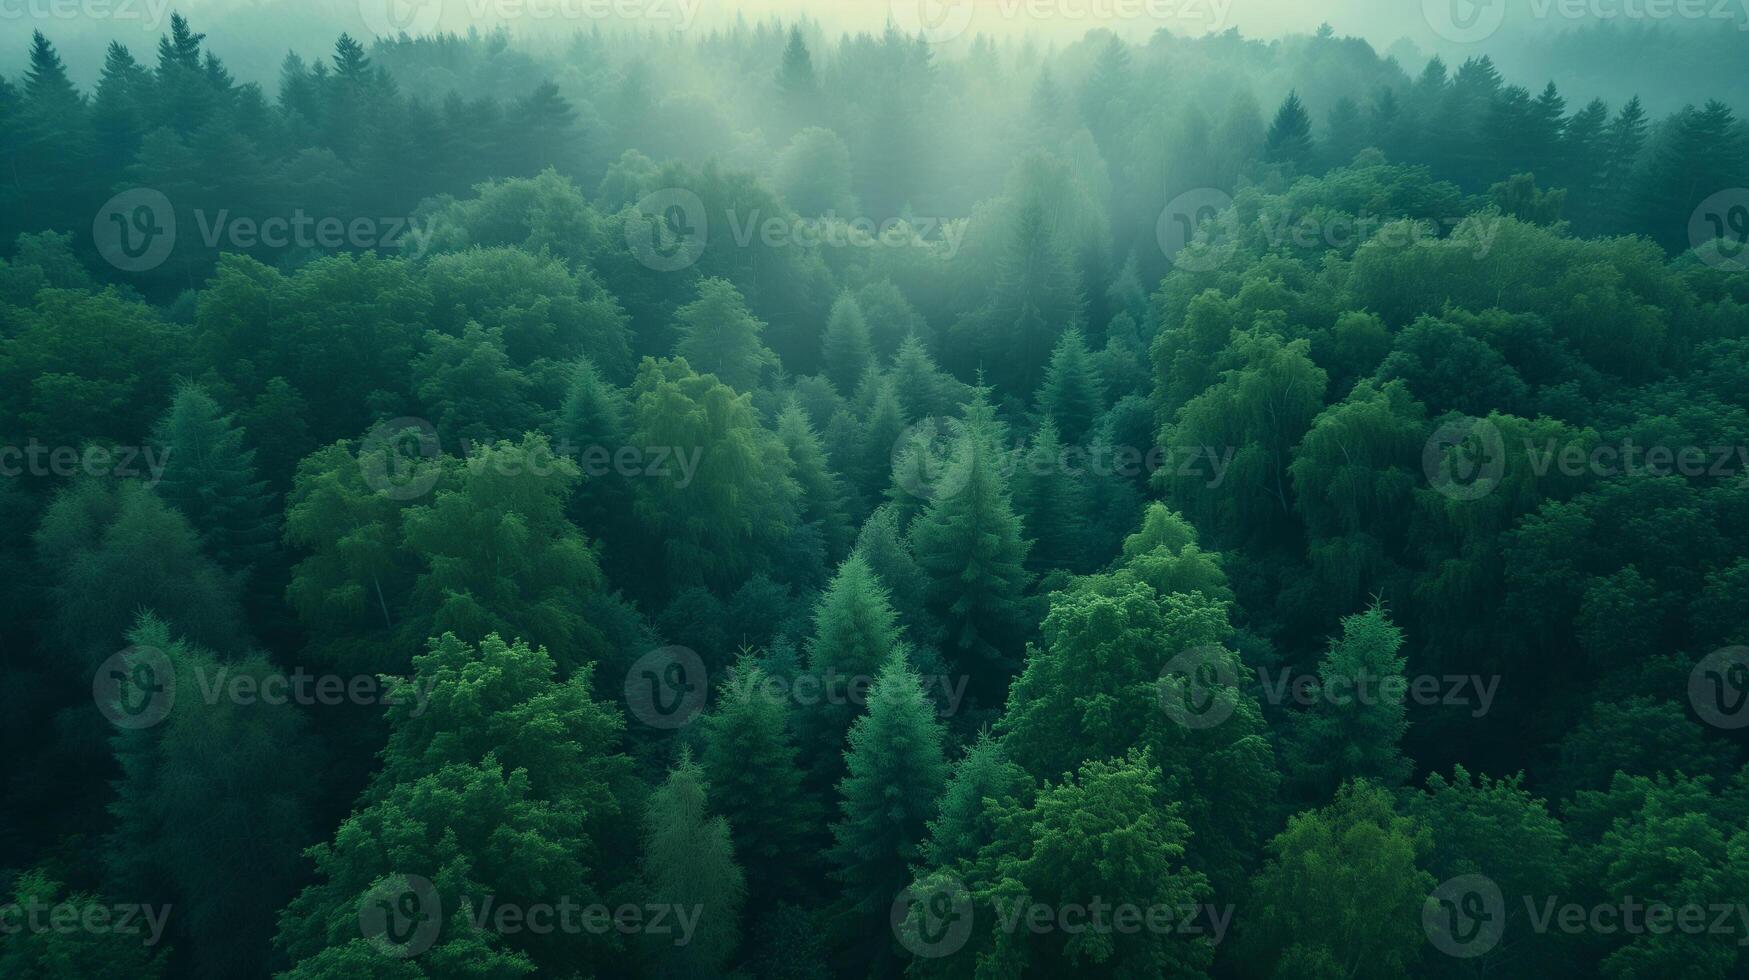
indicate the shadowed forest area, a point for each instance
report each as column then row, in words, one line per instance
column 769, row 501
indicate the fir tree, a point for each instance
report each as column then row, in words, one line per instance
column 718, row 335
column 896, row 772
column 1356, row 723
column 689, row 864
column 845, row 344
column 1073, row 393
column 210, row 477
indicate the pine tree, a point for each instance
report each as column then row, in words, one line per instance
column 845, row 345
column 1050, row 492
column 879, row 435
column 896, row 773
column 822, row 499
column 1073, row 393
column 718, row 335
column 1356, row 724
column 689, row 864
column 882, row 543
column 210, row 477
column 969, row 542
column 983, row 784
column 118, row 109
column 1290, row 136
column 750, row 761
column 855, row 632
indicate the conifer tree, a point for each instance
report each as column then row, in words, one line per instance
column 749, row 759
column 982, row 785
column 689, row 864
column 718, row 335
column 1050, row 493
column 1290, row 136
column 970, row 544
column 210, row 477
column 822, row 492
column 845, row 343
column 1357, row 720
column 896, row 772
column 855, row 633
column 1073, row 393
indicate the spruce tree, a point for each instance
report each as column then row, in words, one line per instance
column 689, row 864
column 822, row 497
column 718, row 335
column 210, row 477
column 855, row 632
column 1073, row 393
column 1051, row 495
column 1290, row 136
column 896, row 772
column 749, row 759
column 970, row 544
column 1356, row 724
column 845, row 344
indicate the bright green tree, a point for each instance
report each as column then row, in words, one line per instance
column 689, row 864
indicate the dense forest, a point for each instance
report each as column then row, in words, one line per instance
column 767, row 503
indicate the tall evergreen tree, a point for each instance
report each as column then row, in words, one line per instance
column 1073, row 393
column 1289, row 141
column 689, row 864
column 1356, row 725
column 970, row 544
column 845, row 346
column 718, row 335
column 896, row 772
column 749, row 759
column 210, row 477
